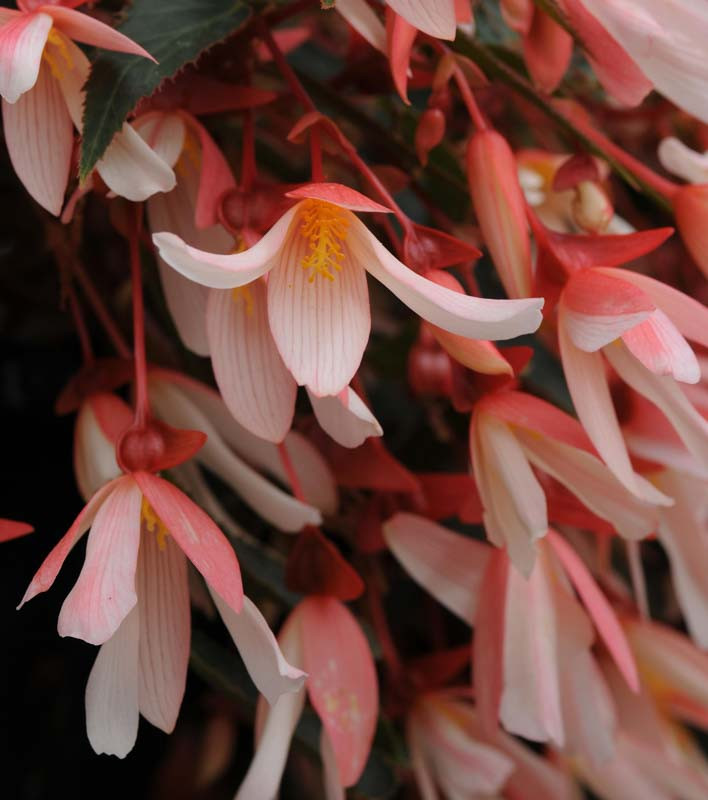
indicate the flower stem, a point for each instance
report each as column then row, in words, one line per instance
column 142, row 403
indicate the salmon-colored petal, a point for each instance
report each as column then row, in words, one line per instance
column 252, row 378
column 22, row 41
column 400, row 37
column 434, row 17
column 105, row 592
column 11, row 529
column 547, row 51
column 197, row 535
column 40, row 139
column 215, row 177
column 364, row 21
column 475, row 354
column 345, row 417
column 658, row 345
column 94, row 453
column 339, row 195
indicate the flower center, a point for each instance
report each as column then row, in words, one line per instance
column 324, row 225
column 153, row 524
column 57, row 55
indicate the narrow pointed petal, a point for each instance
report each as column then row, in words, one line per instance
column 252, row 378
column 112, row 692
column 448, row 566
column 657, row 344
column 401, row 36
column 40, row 138
column 364, row 21
column 225, row 271
column 105, row 592
column 475, row 317
column 215, row 178
column 260, row 652
column 11, row 529
column 22, row 41
column 434, row 17
column 320, row 326
column 345, row 417
column 163, row 609
column 197, row 535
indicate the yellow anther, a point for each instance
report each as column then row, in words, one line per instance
column 243, row 293
column 325, row 227
column 57, row 55
column 153, row 524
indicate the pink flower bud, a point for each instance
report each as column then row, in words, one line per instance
column 691, row 211
column 429, row 133
column 500, row 208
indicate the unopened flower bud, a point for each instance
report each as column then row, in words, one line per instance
column 429, row 133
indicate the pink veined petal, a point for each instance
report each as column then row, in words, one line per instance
column 112, row 692
column 94, row 454
column 474, row 317
column 132, row 169
column 104, row 593
column 345, row 417
column 320, row 326
column 22, row 41
column 47, row 573
column 163, row 609
column 253, row 381
column 448, row 566
column 40, row 139
column 658, row 345
column 215, row 177
column 88, row 30
column 339, row 195
column 342, row 681
column 364, row 21
column 260, row 652
column 598, row 608
column 664, row 393
column 434, row 17
column 165, row 133
column 197, row 535
column 225, row 271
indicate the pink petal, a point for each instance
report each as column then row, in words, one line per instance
column 342, row 685
column 680, row 160
column 547, row 51
column 163, row 608
column 658, row 345
column 475, row 317
column 330, row 773
column 75, row 68
column 434, row 17
column 165, row 133
column 225, row 271
column 598, row 607
column 88, row 30
column 215, row 178
column 320, row 326
column 364, row 21
column 345, row 417
column 448, row 566
column 105, row 592
column 401, row 36
column 260, row 652
column 40, row 140
column 339, row 195
column 198, row 537
column 475, row 354
column 94, row 453
column 253, row 381
column 10, row 529
column 47, row 573
column 22, row 41
column 112, row 692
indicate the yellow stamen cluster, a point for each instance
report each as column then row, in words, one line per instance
column 153, row 524
column 56, row 54
column 325, row 227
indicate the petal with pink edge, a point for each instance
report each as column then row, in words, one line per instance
column 434, row 17
column 112, row 692
column 164, row 133
column 40, row 138
column 22, row 41
column 474, row 317
column 94, row 453
column 215, row 178
column 339, row 195
column 401, row 36
column 163, row 609
column 252, row 378
column 364, row 21
column 260, row 652
column 225, row 271
column 197, row 536
column 105, row 593
column 448, row 566
column 342, row 681
column 345, row 417
column 320, row 325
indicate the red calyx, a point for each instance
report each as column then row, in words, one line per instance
column 155, row 446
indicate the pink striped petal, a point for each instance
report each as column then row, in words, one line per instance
column 339, row 195
column 253, row 381
column 112, row 692
column 74, row 72
column 198, row 537
column 320, row 326
column 345, row 417
column 434, row 17
column 448, row 566
column 163, row 608
column 165, row 133
column 364, row 21
column 105, row 592
column 88, row 30
column 215, row 177
column 226, row 271
column 22, row 41
column 475, row 317
column 40, row 140
column 260, row 652
column 658, row 345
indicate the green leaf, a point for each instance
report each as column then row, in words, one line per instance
column 175, row 33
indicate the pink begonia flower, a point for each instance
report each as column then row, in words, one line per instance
column 638, row 325
column 42, row 74
column 509, row 432
column 434, row 17
column 317, row 256
column 521, row 622
column 324, row 638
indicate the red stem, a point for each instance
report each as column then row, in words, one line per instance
column 101, row 311
column 248, row 155
column 142, row 403
column 80, row 324
column 383, row 633
column 463, row 86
